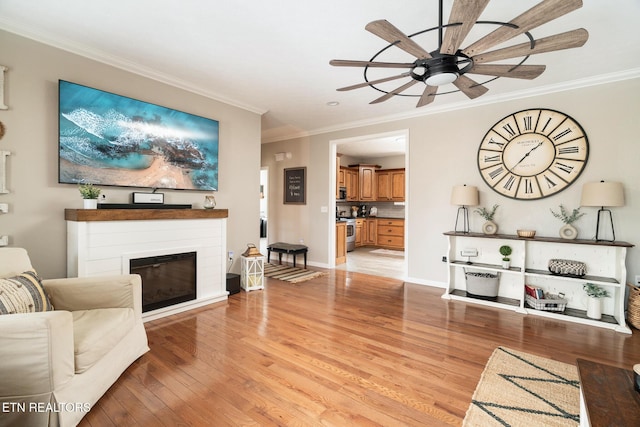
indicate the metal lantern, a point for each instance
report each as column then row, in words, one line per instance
column 252, row 269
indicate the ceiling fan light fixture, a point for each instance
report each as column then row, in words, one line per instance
column 441, row 79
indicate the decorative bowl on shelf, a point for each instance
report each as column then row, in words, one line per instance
column 526, row 233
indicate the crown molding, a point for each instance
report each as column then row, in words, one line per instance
column 122, row 64
column 135, row 68
column 484, row 100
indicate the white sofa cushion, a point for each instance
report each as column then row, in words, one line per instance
column 97, row 331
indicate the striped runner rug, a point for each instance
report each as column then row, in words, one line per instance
column 290, row 274
column 520, row 389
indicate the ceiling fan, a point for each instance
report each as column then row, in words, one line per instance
column 450, row 63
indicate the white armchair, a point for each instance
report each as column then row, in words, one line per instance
column 55, row 365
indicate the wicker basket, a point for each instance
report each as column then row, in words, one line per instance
column 550, row 302
column 633, row 306
column 482, row 285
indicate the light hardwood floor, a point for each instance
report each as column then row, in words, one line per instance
column 378, row 262
column 343, row 349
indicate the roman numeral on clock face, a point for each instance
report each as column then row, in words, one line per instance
column 527, row 122
column 568, row 150
column 495, row 173
column 509, row 184
column 549, row 182
column 509, row 130
column 561, row 134
column 528, row 187
column 495, row 158
column 498, row 143
column 564, row 167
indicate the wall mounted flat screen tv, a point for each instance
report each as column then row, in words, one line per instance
column 108, row 139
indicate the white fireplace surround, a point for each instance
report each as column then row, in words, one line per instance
column 97, row 247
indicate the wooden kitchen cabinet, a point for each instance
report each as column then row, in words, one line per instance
column 341, row 242
column 369, row 232
column 359, row 232
column 367, row 182
column 366, row 232
column 351, row 182
column 390, row 233
column 390, row 185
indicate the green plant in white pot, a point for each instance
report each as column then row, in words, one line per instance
column 568, row 231
column 489, row 227
column 90, row 194
column 594, row 305
column 505, row 251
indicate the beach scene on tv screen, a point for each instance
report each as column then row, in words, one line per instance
column 108, row 139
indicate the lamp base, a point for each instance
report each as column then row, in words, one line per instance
column 604, row 211
column 465, row 219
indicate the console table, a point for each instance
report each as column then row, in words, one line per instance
column 607, row 396
column 605, row 267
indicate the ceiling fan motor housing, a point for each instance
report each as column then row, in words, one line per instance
column 437, row 70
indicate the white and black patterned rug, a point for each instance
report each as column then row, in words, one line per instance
column 520, row 389
column 290, row 274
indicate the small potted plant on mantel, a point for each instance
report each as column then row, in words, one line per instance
column 505, row 251
column 489, row 227
column 568, row 231
column 594, row 307
column 90, row 194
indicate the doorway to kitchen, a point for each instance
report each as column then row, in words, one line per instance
column 360, row 165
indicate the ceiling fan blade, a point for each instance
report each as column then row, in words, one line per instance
column 427, row 96
column 527, row 72
column 543, row 12
column 394, row 92
column 373, row 82
column 568, row 40
column 466, row 12
column 386, row 31
column 348, row 63
column 469, row 87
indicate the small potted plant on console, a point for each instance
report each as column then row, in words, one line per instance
column 594, row 307
column 89, row 194
column 505, row 251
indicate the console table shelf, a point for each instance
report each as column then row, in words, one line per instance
column 605, row 262
column 586, row 278
column 484, row 266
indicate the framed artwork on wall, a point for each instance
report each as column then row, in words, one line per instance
column 295, row 186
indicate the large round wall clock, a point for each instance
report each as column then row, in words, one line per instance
column 533, row 154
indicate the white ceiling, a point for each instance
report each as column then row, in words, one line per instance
column 272, row 56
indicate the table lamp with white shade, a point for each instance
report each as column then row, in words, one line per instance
column 463, row 196
column 603, row 194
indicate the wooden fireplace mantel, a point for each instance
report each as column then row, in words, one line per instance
column 82, row 215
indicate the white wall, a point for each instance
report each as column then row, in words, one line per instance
column 442, row 153
column 37, row 202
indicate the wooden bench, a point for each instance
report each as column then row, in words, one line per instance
column 287, row 248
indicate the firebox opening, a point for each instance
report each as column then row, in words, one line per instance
column 166, row 279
